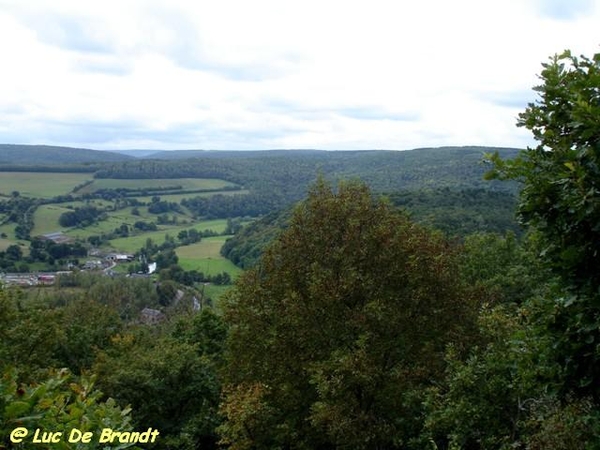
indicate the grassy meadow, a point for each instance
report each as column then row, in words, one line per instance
column 45, row 219
column 134, row 243
column 205, row 257
column 50, row 184
column 8, row 229
column 172, row 184
column 40, row 184
column 178, row 197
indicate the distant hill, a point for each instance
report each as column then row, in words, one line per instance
column 289, row 172
column 17, row 154
column 137, row 153
column 187, row 154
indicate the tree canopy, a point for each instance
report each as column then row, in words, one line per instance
column 344, row 320
column 560, row 201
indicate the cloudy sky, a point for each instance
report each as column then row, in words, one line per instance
column 239, row 74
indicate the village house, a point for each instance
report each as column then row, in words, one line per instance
column 119, row 257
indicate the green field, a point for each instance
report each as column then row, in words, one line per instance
column 205, row 257
column 40, row 184
column 9, row 230
column 175, row 184
column 45, row 219
column 214, row 292
column 178, row 197
column 134, row 243
column 5, row 243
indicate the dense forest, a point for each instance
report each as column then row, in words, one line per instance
column 372, row 314
column 457, row 213
column 38, row 155
column 291, row 172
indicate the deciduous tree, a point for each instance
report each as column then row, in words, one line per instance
column 560, row 200
column 340, row 326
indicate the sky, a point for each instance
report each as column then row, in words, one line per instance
column 281, row 74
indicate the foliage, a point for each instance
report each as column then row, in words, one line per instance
column 503, row 395
column 61, row 331
column 58, row 403
column 340, row 327
column 126, row 296
column 455, row 212
column 560, row 199
column 246, row 247
column 170, row 381
column 461, row 212
column 506, row 268
column 482, row 400
column 20, row 210
column 228, row 206
column 81, row 216
column 43, row 250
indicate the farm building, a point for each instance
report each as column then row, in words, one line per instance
column 56, row 237
column 118, row 257
column 93, row 264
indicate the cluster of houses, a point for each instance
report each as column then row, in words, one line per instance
column 30, row 279
column 103, row 262
column 48, row 278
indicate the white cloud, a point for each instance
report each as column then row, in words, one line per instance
column 272, row 74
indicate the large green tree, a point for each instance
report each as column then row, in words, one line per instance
column 340, row 327
column 169, row 378
column 560, row 201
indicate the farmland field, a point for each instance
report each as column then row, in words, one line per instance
column 45, row 219
column 178, row 197
column 40, row 184
column 205, row 257
column 174, row 184
column 134, row 243
column 9, row 230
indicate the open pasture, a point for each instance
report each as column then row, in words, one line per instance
column 178, row 197
column 45, row 219
column 134, row 243
column 171, row 184
column 205, row 257
column 40, row 184
column 8, row 229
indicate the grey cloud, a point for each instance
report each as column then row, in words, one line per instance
column 129, row 133
column 188, row 49
column 300, row 111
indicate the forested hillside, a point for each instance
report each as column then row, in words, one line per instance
column 457, row 213
column 38, row 155
column 282, row 177
column 291, row 171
